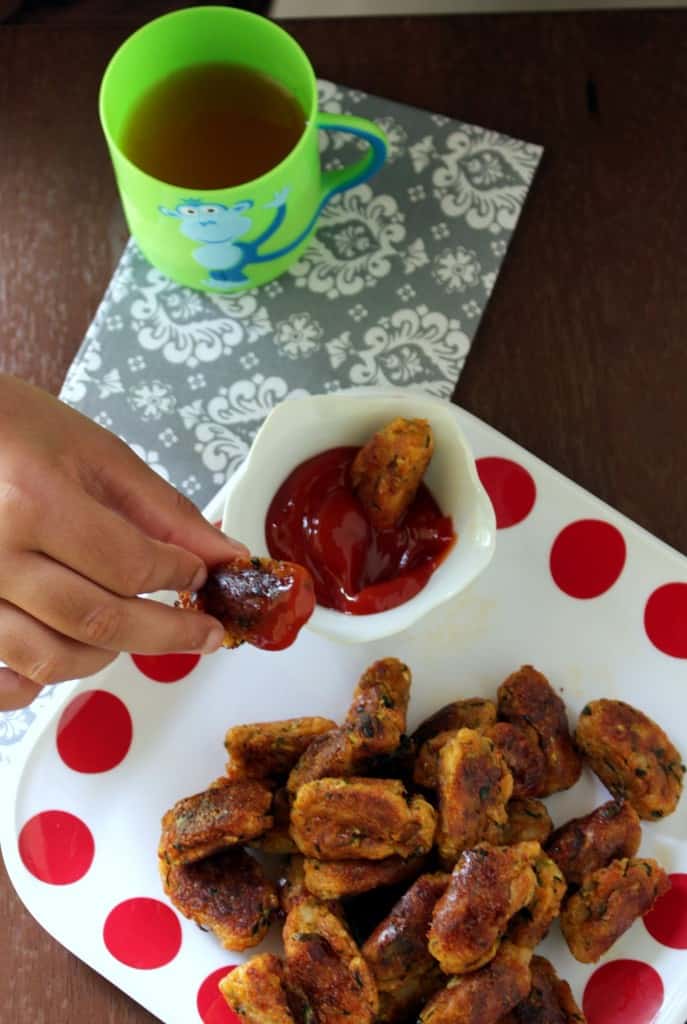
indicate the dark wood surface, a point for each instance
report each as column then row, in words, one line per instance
column 581, row 356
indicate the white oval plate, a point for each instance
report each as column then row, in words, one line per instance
column 513, row 614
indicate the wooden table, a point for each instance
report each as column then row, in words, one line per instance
column 582, row 354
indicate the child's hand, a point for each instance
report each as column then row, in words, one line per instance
column 85, row 526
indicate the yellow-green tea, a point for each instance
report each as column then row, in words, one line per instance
column 212, row 126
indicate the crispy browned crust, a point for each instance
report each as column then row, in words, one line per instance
column 227, row 893
column 269, row 750
column 528, row 821
column 550, row 1000
column 329, row 756
column 430, row 736
column 584, row 845
column 241, row 592
column 531, row 924
column 376, row 718
column 426, row 767
column 291, row 884
column 256, row 992
column 404, row 970
column 387, row 471
column 608, row 903
column 356, row 818
column 222, row 816
column 469, row 713
column 488, row 886
column 632, row 756
column 527, row 698
column 325, row 971
column 374, row 726
column 521, row 751
column 277, row 840
column 484, row 996
column 474, row 788
column 332, row 880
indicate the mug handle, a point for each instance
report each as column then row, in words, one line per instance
column 336, row 181
column 358, row 172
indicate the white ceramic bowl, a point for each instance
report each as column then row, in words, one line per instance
column 300, row 428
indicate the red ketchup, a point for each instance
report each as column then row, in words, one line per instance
column 316, row 520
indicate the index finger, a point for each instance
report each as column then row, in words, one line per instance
column 104, row 547
column 131, row 488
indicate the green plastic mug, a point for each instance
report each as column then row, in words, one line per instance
column 226, row 239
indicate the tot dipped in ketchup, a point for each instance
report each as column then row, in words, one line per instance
column 258, row 601
column 361, row 521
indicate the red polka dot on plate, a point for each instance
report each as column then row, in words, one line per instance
column 623, row 992
column 211, row 1004
column 587, row 557
column 165, row 668
column 142, row 933
column 56, row 847
column 510, row 487
column 667, row 919
column 665, row 619
column 94, row 732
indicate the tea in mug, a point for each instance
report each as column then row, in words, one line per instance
column 212, row 126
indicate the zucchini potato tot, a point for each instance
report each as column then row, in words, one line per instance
column 528, row 821
column 368, row 819
column 277, row 839
column 259, row 601
column 337, row 879
column 374, row 726
column 256, row 991
column 632, row 756
column 329, row 980
column 488, row 886
column 526, row 698
column 229, row 894
column 269, row 750
column 293, row 890
column 530, row 926
column 388, row 470
column 519, row 745
column 470, row 713
column 608, row 903
column 404, row 970
column 484, row 996
column 583, row 845
column 467, row 713
column 376, row 718
column 550, row 1000
column 226, row 814
column 474, row 789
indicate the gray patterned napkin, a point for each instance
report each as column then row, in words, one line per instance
column 390, row 291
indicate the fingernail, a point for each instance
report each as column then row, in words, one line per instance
column 213, row 641
column 199, row 578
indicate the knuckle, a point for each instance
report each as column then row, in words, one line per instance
column 183, row 507
column 102, row 625
column 50, row 668
column 18, row 505
column 142, row 575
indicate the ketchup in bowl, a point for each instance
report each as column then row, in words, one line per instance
column 316, row 520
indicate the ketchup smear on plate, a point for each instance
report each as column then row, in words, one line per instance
column 316, row 521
